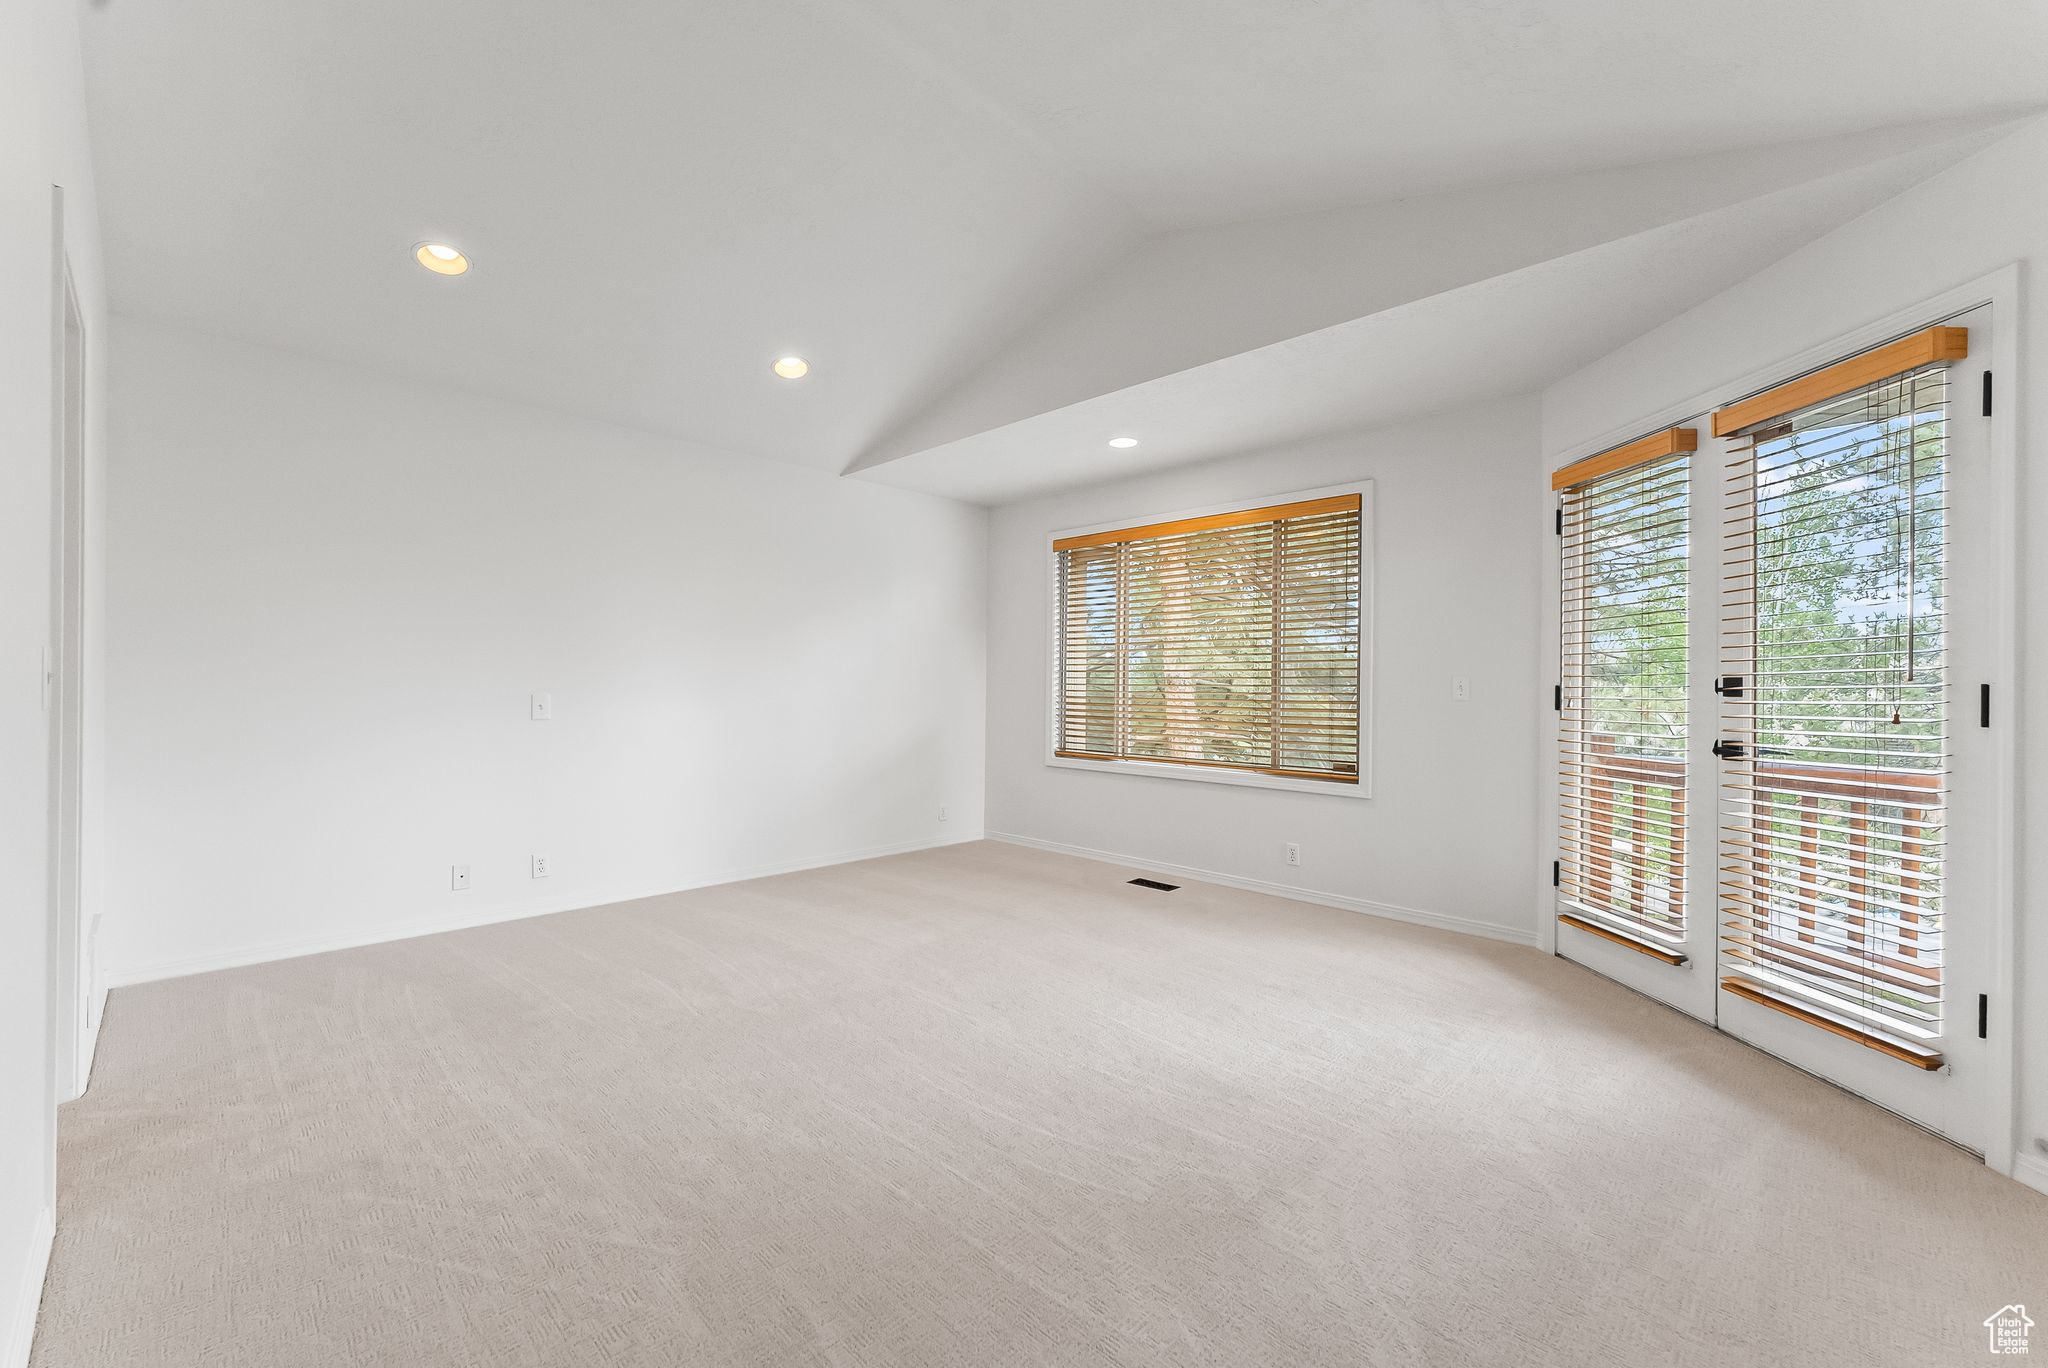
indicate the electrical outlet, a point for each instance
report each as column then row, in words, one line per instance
column 943, row 814
column 1461, row 688
column 540, row 866
column 1294, row 852
column 458, row 877
column 543, row 707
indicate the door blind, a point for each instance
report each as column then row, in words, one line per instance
column 1622, row 734
column 1226, row 641
column 1835, row 781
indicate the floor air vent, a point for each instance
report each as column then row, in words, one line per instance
column 1154, row 883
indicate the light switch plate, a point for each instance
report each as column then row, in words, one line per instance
column 543, row 707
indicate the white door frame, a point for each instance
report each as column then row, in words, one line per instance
column 1951, row 1100
column 63, row 679
column 2001, row 290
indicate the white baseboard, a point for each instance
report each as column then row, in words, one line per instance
column 2031, row 1169
column 241, row 956
column 1414, row 915
column 28, row 1297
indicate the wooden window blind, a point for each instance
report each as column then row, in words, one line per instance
column 1230, row 640
column 1923, row 348
column 1623, row 704
column 1834, row 782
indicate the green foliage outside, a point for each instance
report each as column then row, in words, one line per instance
column 1197, row 620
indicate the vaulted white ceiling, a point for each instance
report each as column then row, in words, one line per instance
column 1211, row 111
column 996, row 226
column 1262, row 333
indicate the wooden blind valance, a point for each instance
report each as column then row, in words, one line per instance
column 1243, row 517
column 1642, row 451
column 1867, row 368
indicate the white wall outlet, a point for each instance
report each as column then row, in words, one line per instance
column 540, row 866
column 1294, row 852
column 458, row 877
column 543, row 707
column 1461, row 688
column 944, row 813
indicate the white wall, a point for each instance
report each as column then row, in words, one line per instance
column 44, row 144
column 1447, row 834
column 332, row 593
column 1982, row 214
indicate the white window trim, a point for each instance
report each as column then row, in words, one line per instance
column 1198, row 773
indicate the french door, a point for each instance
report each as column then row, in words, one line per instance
column 1779, row 816
column 1636, row 873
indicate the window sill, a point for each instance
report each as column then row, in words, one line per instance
column 1204, row 775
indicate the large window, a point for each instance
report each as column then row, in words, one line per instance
column 1224, row 645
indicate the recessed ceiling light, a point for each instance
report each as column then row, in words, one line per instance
column 1123, row 443
column 440, row 258
column 792, row 367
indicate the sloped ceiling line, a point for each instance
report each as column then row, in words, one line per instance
column 1349, row 320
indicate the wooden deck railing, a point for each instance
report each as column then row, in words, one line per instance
column 1848, row 854
column 1635, row 853
column 1845, row 853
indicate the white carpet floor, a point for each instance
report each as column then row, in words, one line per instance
column 989, row 1106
